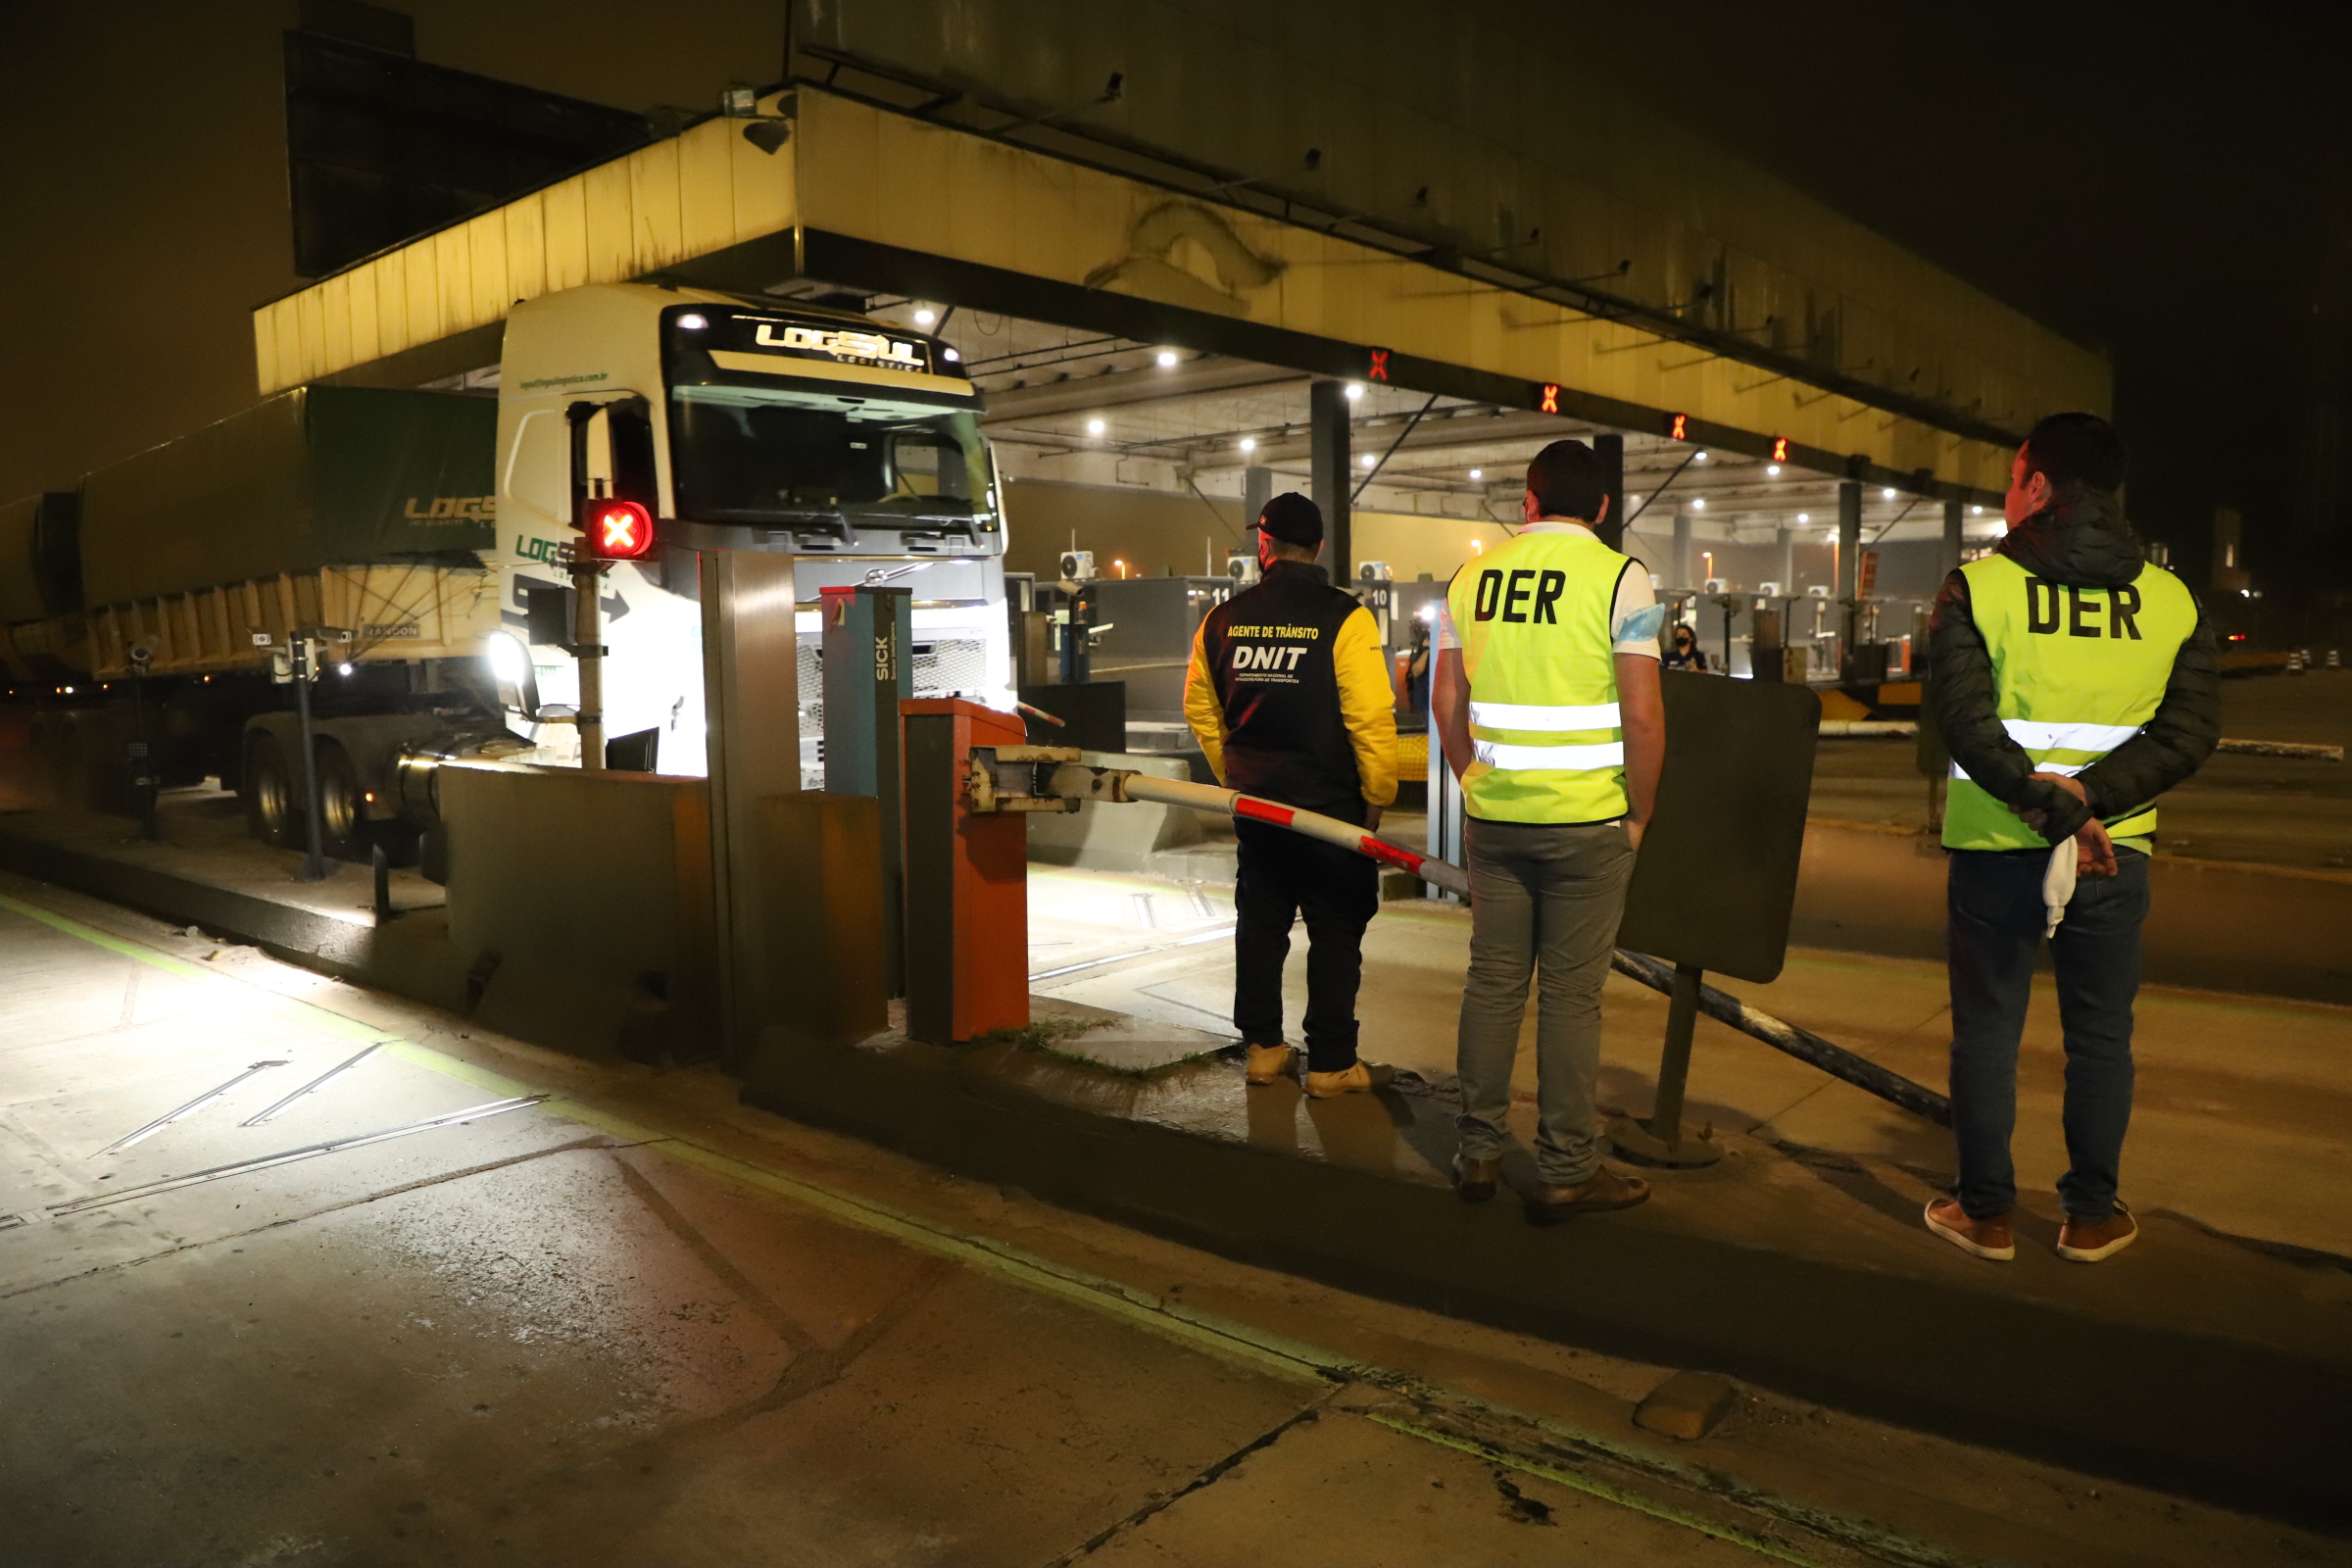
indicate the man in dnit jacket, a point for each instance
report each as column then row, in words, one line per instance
column 1289, row 693
column 2075, row 683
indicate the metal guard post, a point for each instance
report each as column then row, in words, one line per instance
column 1803, row 1044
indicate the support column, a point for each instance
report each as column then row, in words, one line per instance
column 1610, row 449
column 751, row 711
column 1788, row 538
column 1334, row 476
column 1257, row 488
column 1950, row 562
column 1849, row 558
column 1681, row 550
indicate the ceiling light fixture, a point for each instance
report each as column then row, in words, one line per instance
column 924, row 315
column 1167, row 359
column 1355, row 390
column 1093, row 428
column 1887, row 494
column 1478, row 474
column 1248, row 443
column 1772, row 470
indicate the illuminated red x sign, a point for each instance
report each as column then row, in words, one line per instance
column 1380, row 365
column 1779, row 449
column 619, row 531
column 1550, row 402
column 1678, row 428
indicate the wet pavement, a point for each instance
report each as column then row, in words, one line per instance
column 631, row 1322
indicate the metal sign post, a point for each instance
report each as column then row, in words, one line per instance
column 1730, row 821
column 313, row 806
column 144, row 783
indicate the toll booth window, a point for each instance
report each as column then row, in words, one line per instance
column 750, row 455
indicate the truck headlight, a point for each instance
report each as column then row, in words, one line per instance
column 510, row 669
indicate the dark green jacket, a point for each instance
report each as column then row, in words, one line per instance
column 2082, row 539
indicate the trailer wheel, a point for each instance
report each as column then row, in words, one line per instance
column 342, row 809
column 273, row 803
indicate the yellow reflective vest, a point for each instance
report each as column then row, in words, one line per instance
column 2078, row 670
column 1538, row 654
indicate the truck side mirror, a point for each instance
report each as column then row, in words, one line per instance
column 611, row 456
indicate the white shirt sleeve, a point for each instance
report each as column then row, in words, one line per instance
column 1637, row 616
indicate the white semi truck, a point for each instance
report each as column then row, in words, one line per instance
column 740, row 424
column 411, row 534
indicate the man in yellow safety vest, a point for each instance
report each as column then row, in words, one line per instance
column 2075, row 683
column 1546, row 702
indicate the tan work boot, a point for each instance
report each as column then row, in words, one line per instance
column 2080, row 1241
column 1474, row 1179
column 1596, row 1194
column 1993, row 1238
column 1362, row 1078
column 1271, row 1063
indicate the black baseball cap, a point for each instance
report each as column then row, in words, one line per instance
column 1294, row 520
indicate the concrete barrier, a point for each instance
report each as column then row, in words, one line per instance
column 582, row 905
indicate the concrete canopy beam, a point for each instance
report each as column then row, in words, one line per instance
column 1201, row 377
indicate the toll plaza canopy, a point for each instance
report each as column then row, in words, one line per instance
column 880, row 198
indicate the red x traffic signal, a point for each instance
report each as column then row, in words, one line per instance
column 619, row 531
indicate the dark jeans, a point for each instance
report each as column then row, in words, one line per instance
column 1284, row 876
column 1994, row 930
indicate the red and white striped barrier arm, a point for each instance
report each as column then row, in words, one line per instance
column 1313, row 825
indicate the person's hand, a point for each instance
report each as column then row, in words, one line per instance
column 2094, row 851
column 1371, row 817
column 2039, row 820
column 1634, row 827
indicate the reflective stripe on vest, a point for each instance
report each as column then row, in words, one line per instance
column 2077, row 672
column 1546, row 739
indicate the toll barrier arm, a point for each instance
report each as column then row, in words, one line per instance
column 1803, row 1044
column 1052, row 778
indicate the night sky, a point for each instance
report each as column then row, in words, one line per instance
column 2158, row 181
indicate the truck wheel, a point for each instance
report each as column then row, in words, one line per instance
column 342, row 809
column 272, row 801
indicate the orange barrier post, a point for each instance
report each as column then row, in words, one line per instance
column 967, row 879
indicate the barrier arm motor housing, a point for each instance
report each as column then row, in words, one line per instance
column 1052, row 778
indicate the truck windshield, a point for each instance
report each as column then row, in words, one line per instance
column 742, row 454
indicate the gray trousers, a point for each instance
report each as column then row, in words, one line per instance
column 1544, row 899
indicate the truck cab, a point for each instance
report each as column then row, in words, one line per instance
column 742, row 424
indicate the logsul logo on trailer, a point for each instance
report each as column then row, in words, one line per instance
column 450, row 510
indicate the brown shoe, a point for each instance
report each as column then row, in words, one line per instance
column 2081, row 1240
column 1272, row 1063
column 1362, row 1078
column 1596, row 1194
column 1983, row 1238
column 1474, row 1179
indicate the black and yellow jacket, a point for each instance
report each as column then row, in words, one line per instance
column 1289, row 693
